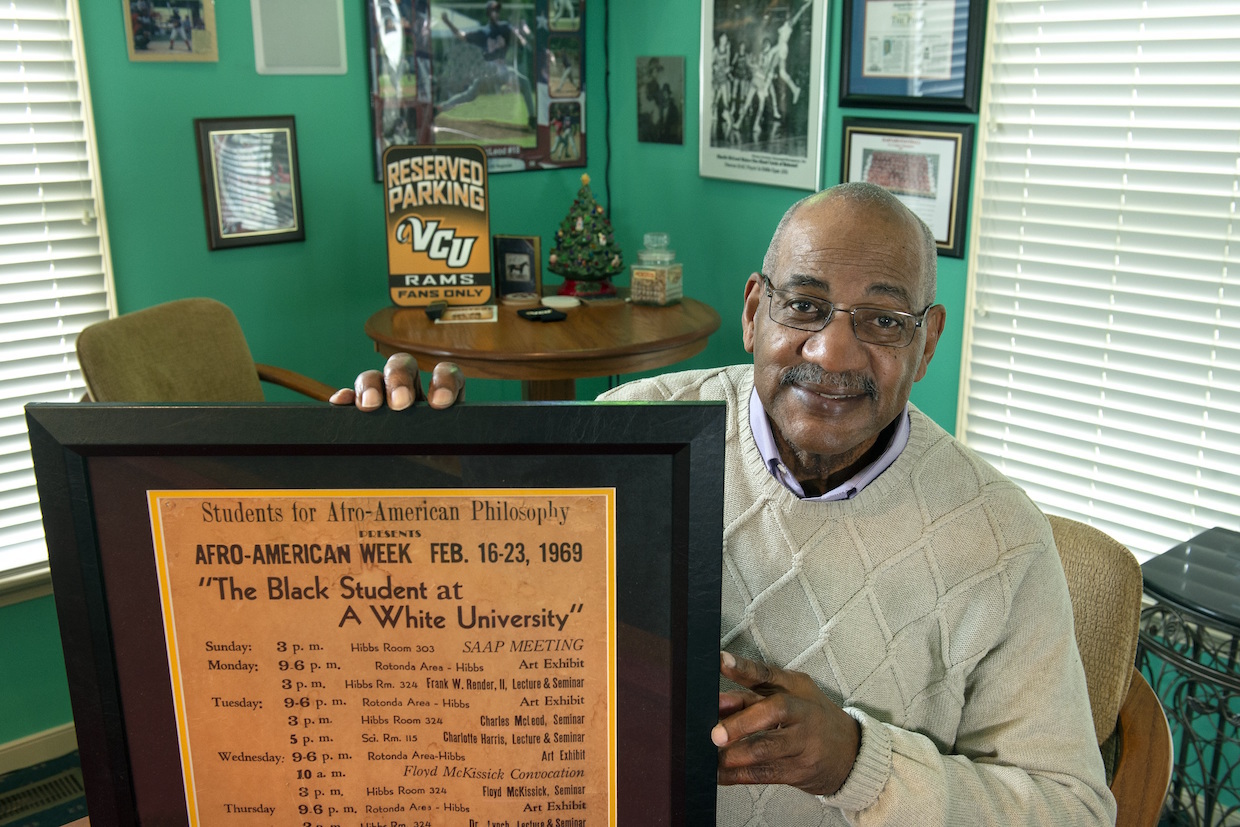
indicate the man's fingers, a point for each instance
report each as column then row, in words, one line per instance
column 400, row 379
column 368, row 390
column 447, row 386
column 747, row 672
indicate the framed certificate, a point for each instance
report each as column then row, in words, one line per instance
column 925, row 54
column 307, row 615
column 925, row 164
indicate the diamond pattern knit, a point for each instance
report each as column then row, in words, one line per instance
column 932, row 607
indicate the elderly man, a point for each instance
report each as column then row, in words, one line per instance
column 897, row 637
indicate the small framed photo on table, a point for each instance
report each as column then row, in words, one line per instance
column 251, row 189
column 518, row 264
column 925, row 54
column 926, row 165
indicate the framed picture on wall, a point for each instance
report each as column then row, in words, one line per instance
column 517, row 260
column 468, row 72
column 926, row 165
column 661, row 100
column 251, row 190
column 183, row 30
column 761, row 101
column 926, row 54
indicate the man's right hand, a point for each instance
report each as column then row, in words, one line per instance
column 400, row 386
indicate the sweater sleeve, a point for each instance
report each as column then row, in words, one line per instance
column 1025, row 751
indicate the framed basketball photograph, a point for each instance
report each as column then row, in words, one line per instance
column 761, row 99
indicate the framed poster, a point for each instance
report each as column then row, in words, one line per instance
column 926, row 165
column 468, row 72
column 251, row 188
column 761, row 91
column 171, row 30
column 301, row 613
column 925, row 54
column 518, row 265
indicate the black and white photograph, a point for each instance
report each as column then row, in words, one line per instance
column 518, row 264
column 661, row 100
column 761, row 95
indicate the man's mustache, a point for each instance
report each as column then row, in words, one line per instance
column 808, row 373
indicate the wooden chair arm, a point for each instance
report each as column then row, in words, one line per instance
column 1143, row 768
column 295, row 381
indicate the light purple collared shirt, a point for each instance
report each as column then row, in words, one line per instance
column 761, row 427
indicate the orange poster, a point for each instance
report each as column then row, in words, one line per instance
column 392, row 657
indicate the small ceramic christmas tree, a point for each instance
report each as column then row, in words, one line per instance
column 585, row 251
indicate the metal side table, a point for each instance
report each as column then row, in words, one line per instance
column 1188, row 652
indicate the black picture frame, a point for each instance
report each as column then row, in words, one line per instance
column 251, row 183
column 926, row 164
column 517, row 260
column 95, row 464
column 880, row 66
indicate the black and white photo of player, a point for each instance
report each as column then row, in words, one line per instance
column 759, row 70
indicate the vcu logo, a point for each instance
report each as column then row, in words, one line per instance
column 437, row 244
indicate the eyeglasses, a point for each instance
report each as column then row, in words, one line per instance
column 873, row 325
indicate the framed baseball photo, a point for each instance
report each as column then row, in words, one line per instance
column 171, row 31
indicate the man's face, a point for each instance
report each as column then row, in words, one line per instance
column 828, row 394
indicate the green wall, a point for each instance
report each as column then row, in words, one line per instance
column 303, row 305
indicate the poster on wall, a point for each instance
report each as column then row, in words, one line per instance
column 761, row 91
column 171, row 30
column 509, row 77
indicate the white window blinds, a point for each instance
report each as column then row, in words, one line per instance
column 53, row 271
column 1102, row 349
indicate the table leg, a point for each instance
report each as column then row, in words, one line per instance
column 548, row 390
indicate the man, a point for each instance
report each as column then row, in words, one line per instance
column 896, row 630
column 493, row 39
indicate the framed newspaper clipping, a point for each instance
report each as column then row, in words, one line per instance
column 296, row 614
column 761, row 91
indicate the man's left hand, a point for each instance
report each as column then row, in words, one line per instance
column 781, row 729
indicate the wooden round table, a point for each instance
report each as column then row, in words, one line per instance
column 547, row 357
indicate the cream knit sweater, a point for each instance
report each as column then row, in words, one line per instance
column 932, row 607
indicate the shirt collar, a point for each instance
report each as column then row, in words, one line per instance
column 765, row 438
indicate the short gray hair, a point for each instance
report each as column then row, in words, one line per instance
column 863, row 194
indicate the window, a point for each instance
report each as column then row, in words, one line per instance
column 1102, row 355
column 54, row 270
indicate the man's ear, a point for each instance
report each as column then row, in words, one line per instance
column 753, row 294
column 936, row 319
